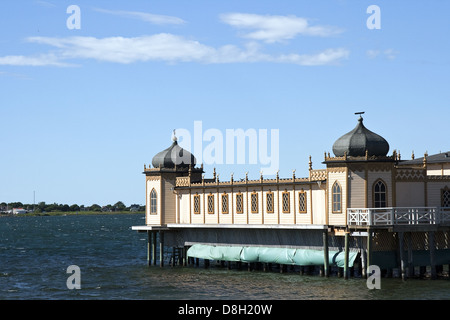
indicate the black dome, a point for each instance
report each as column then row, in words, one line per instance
column 356, row 142
column 174, row 155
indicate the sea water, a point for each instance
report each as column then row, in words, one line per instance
column 36, row 251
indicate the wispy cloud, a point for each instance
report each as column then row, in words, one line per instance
column 169, row 48
column 389, row 54
column 34, row 61
column 275, row 28
column 144, row 16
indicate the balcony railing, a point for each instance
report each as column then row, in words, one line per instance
column 397, row 216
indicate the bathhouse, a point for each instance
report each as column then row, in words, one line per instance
column 366, row 206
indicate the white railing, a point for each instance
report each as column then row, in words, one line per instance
column 397, row 216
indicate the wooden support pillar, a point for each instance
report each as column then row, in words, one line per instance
column 400, row 236
column 346, row 237
column 161, row 249
column 410, row 256
column 369, row 250
column 432, row 245
column 326, row 258
column 154, row 247
column 149, row 247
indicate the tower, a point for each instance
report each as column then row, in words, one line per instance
column 160, row 181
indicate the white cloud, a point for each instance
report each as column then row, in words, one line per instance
column 389, row 54
column 34, row 61
column 272, row 28
column 147, row 17
column 171, row 48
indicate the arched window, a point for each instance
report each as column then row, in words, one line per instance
column 379, row 194
column 153, row 202
column 337, row 198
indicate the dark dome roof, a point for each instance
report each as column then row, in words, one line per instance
column 356, row 142
column 174, row 155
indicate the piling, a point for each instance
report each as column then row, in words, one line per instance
column 432, row 246
column 400, row 236
column 326, row 267
column 161, row 249
column 154, row 248
column 346, row 255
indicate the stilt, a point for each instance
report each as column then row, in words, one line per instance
column 149, row 248
column 410, row 256
column 402, row 255
column 161, row 249
column 206, row 263
column 346, row 256
column 369, row 250
column 363, row 263
column 432, row 245
column 326, row 258
column 154, row 247
column 173, row 257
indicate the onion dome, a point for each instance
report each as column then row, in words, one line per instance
column 356, row 142
column 174, row 155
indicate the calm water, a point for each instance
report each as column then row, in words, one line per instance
column 36, row 251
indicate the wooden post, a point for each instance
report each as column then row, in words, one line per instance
column 410, row 256
column 326, row 258
column 402, row 255
column 154, row 248
column 346, row 256
column 369, row 250
column 161, row 249
column 432, row 245
column 149, row 248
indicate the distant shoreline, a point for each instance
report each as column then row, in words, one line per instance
column 63, row 213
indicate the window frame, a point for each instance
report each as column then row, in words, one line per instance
column 302, row 195
column 378, row 203
column 197, row 199
column 225, row 197
column 153, row 202
column 334, row 201
column 254, row 202
column 210, row 203
column 288, row 202
column 239, row 203
column 271, row 194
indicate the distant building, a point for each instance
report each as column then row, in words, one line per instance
column 19, row 211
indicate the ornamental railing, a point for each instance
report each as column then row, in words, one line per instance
column 397, row 216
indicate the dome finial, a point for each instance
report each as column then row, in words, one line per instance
column 174, row 138
column 360, row 115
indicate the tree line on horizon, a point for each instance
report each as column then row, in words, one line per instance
column 55, row 207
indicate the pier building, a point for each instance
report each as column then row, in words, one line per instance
column 365, row 207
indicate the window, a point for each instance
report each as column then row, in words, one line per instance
column 239, row 203
column 254, row 199
column 286, row 202
column 337, row 198
column 224, row 203
column 302, row 202
column 379, row 194
column 445, row 197
column 211, row 204
column 269, row 202
column 196, row 204
column 153, row 202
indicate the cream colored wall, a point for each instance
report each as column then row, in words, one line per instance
column 184, row 206
column 153, row 183
column 318, row 205
column 410, row 194
column 337, row 218
column 357, row 187
column 438, row 169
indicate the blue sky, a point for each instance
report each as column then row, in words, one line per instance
column 84, row 109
